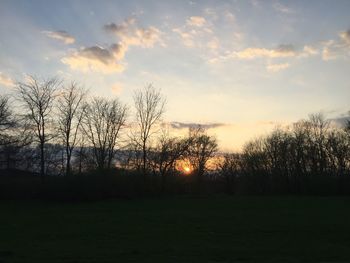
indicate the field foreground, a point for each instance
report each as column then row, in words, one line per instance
column 215, row 229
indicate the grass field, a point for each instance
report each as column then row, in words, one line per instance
column 215, row 229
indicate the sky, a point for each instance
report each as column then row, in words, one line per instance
column 240, row 68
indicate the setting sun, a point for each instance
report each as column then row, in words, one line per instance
column 187, row 170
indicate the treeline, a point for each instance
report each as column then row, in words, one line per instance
column 51, row 129
column 310, row 157
column 79, row 145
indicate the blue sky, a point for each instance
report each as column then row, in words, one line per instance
column 246, row 66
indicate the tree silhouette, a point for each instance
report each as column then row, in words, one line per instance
column 37, row 99
column 149, row 106
column 70, row 114
column 102, row 121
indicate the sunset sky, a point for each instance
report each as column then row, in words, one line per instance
column 238, row 67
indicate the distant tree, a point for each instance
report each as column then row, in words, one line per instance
column 319, row 129
column 70, row 114
column 102, row 122
column 255, row 157
column 230, row 168
column 301, row 149
column 149, row 106
column 37, row 99
column 277, row 149
column 201, row 149
column 338, row 151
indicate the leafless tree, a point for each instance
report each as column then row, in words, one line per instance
column 7, row 121
column 102, row 122
column 167, row 152
column 202, row 148
column 70, row 114
column 255, row 157
column 37, row 99
column 6, row 114
column 319, row 127
column 149, row 106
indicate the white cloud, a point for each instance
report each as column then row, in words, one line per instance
column 333, row 49
column 187, row 37
column 109, row 60
column 132, row 35
column 345, row 37
column 277, row 67
column 96, row 58
column 60, row 35
column 6, row 80
column 281, row 51
column 284, row 51
column 197, row 21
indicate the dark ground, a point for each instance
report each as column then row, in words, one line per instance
column 182, row 229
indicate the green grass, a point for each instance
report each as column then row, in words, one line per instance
column 215, row 229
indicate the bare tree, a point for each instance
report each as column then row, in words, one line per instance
column 102, row 122
column 7, row 120
column 319, row 127
column 149, row 106
column 37, row 98
column 6, row 115
column 70, row 114
column 166, row 153
column 202, row 148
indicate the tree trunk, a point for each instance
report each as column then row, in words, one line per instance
column 68, row 166
column 144, row 158
column 42, row 161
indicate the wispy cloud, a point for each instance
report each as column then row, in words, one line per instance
column 6, row 80
column 281, row 51
column 333, row 49
column 183, row 125
column 277, row 67
column 96, row 58
column 61, row 36
column 188, row 38
column 197, row 21
column 197, row 32
column 309, row 50
column 282, row 8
